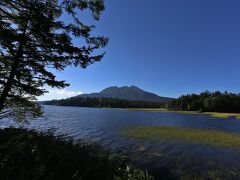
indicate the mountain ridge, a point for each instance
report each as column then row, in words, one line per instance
column 128, row 93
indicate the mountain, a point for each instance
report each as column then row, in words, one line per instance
column 129, row 93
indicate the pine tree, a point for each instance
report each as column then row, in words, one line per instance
column 34, row 39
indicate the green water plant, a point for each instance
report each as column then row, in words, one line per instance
column 186, row 135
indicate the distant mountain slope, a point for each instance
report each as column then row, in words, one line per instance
column 129, row 93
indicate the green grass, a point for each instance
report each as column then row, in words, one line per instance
column 213, row 114
column 149, row 109
column 186, row 135
column 223, row 115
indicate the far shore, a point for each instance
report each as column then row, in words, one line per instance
column 213, row 114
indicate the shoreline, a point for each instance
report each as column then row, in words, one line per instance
column 213, row 114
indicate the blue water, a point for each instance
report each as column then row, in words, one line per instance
column 106, row 126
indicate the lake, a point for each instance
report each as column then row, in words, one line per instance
column 171, row 158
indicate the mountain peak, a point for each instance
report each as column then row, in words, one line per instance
column 116, row 88
column 135, row 87
column 129, row 93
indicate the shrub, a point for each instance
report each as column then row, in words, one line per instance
column 27, row 154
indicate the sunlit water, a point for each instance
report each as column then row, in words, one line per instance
column 106, row 126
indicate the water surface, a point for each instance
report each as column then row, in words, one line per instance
column 106, row 125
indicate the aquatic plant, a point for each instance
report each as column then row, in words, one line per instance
column 186, row 135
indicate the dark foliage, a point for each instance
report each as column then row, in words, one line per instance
column 28, row 155
column 34, row 39
column 104, row 102
column 209, row 102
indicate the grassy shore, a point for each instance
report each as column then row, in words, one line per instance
column 213, row 114
column 224, row 115
column 187, row 135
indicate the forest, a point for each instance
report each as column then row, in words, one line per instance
column 203, row 102
column 207, row 102
column 103, row 102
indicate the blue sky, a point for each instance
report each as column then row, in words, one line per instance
column 168, row 47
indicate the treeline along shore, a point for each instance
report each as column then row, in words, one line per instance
column 104, row 102
column 203, row 102
column 207, row 102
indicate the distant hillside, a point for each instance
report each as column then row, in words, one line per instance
column 128, row 93
column 103, row 102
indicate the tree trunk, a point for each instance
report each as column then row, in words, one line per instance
column 17, row 59
column 8, row 85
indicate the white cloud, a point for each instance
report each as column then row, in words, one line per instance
column 59, row 94
column 64, row 92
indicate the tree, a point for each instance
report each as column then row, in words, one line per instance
column 34, row 39
column 206, row 101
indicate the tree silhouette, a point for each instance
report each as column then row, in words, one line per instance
column 104, row 102
column 34, row 39
column 209, row 102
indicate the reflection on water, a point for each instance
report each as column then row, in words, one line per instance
column 105, row 126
